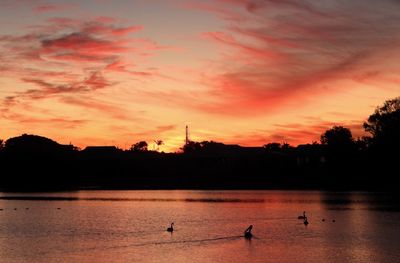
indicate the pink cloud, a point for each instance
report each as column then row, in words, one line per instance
column 152, row 134
column 37, row 6
column 247, row 49
column 215, row 9
column 86, row 48
column 59, row 122
column 260, row 92
column 294, row 133
column 47, row 7
column 122, row 67
column 114, row 111
column 81, row 47
column 93, row 82
column 283, row 53
column 126, row 30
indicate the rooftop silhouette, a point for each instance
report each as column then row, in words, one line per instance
column 31, row 162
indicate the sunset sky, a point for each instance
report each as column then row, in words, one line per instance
column 102, row 72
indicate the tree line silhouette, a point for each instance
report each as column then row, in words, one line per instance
column 338, row 162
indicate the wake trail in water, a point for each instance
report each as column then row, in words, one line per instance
column 163, row 243
column 187, row 241
column 83, row 250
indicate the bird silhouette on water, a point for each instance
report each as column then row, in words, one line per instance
column 247, row 232
column 303, row 216
column 171, row 228
column 305, row 221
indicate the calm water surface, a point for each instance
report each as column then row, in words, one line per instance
column 129, row 226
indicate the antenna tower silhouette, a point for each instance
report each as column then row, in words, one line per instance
column 187, row 135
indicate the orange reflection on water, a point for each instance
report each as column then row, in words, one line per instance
column 130, row 226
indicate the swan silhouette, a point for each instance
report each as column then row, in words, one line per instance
column 305, row 221
column 171, row 228
column 247, row 232
column 303, row 216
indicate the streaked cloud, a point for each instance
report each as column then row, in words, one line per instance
column 287, row 51
column 237, row 71
column 296, row 133
column 82, row 52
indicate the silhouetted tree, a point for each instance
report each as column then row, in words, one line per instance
column 277, row 147
column 158, row 143
column 285, row 146
column 139, row 147
column 384, row 124
column 1, row 144
column 272, row 147
column 338, row 137
column 211, row 146
column 35, row 146
column 363, row 143
column 191, row 147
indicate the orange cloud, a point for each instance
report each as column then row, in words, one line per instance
column 81, row 50
column 269, row 60
column 294, row 133
column 114, row 111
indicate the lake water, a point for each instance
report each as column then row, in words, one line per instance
column 129, row 226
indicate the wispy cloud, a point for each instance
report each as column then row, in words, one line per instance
column 51, row 7
column 115, row 111
column 274, row 53
column 295, row 133
column 153, row 133
column 56, row 122
column 93, row 82
column 72, row 56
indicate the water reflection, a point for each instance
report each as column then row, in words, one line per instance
column 331, row 200
column 360, row 200
column 61, row 198
column 130, row 226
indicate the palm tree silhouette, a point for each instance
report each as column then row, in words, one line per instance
column 158, row 143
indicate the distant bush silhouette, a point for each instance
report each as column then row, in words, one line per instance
column 141, row 146
column 277, row 147
column 273, row 147
column 384, row 125
column 211, row 148
column 363, row 143
column 191, row 147
column 338, row 138
column 34, row 162
column 35, row 146
column 158, row 143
